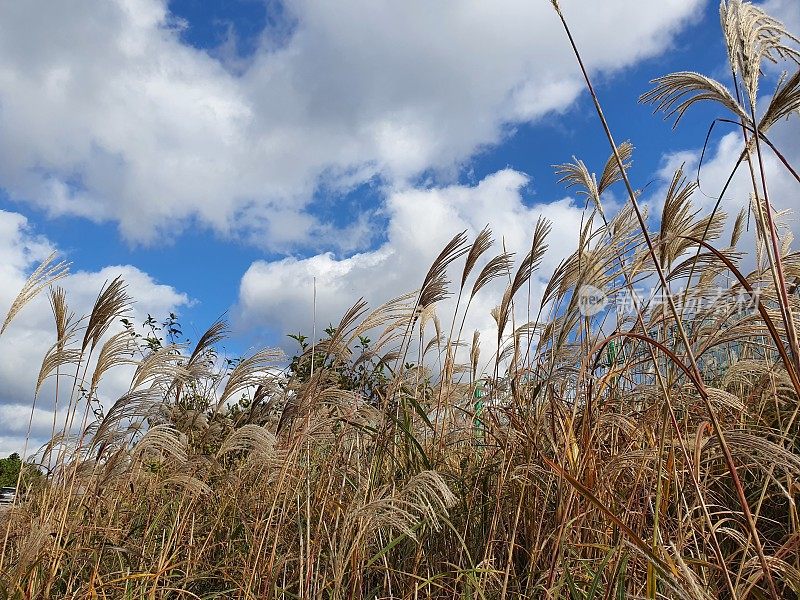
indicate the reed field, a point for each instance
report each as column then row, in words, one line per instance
column 641, row 451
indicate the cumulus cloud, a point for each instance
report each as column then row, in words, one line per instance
column 719, row 162
column 279, row 294
column 25, row 342
column 107, row 114
column 786, row 11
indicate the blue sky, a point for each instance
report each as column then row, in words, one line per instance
column 221, row 154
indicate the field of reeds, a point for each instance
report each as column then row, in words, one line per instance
column 650, row 452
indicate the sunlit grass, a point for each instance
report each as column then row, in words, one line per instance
column 646, row 453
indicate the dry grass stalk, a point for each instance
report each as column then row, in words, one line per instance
column 604, row 459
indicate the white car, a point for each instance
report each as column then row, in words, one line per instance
column 7, row 495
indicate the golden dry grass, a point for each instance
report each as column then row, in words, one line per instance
column 644, row 455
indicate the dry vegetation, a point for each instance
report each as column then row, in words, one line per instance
column 652, row 454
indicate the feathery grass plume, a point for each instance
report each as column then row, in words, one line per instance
column 498, row 266
column 135, row 406
column 213, row 335
column 349, row 320
column 160, row 442
column 185, row 485
column 693, row 370
column 611, row 172
column 526, row 269
column 759, row 452
column 624, row 224
column 47, row 273
column 435, row 290
column 165, row 363
column 673, row 94
column 762, row 225
column 264, row 399
column 112, row 302
column 438, row 341
column 33, row 546
column 337, row 345
column 475, row 353
column 760, row 241
column 786, row 244
column 738, row 228
column 577, row 174
column 117, row 350
column 556, row 282
column 705, row 261
column 556, row 334
column 396, row 311
column 250, row 439
column 428, row 493
column 424, row 499
column 479, row 246
column 590, row 267
column 434, row 285
column 57, row 356
column 751, row 37
column 511, row 350
column 783, row 103
column 250, row 372
column 199, row 363
column 425, row 315
column 392, row 335
column 63, row 318
column 678, row 222
column 695, row 589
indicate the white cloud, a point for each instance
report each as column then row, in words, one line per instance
column 279, row 294
column 786, row 11
column 720, row 159
column 25, row 342
column 107, row 114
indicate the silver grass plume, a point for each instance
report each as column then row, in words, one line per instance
column 751, row 37
column 434, row 286
column 529, row 264
column 45, row 274
column 481, row 244
column 112, row 302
